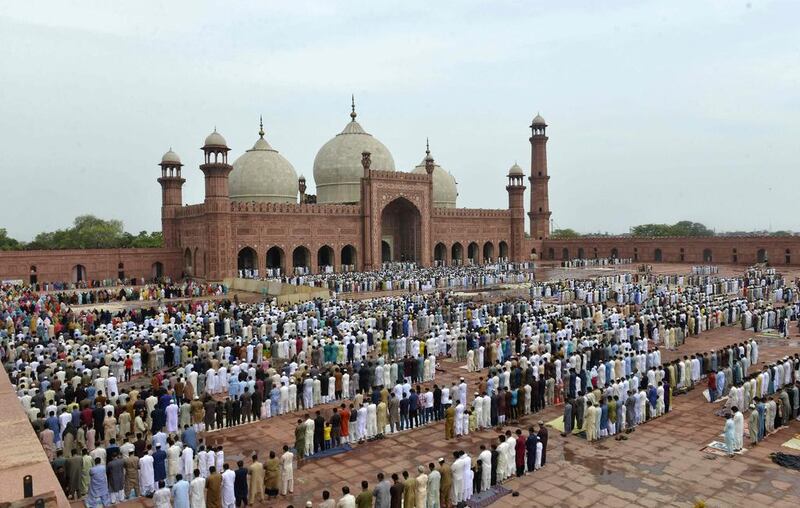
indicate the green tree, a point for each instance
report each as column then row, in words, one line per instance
column 564, row 233
column 90, row 232
column 8, row 243
column 682, row 228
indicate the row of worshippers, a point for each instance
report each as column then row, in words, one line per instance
column 444, row 484
column 414, row 278
column 142, row 469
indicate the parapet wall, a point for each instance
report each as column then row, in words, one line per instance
column 745, row 250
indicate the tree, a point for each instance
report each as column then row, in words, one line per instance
column 682, row 228
column 8, row 243
column 90, row 232
column 564, row 233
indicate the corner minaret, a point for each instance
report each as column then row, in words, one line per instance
column 217, row 208
column 171, row 196
column 539, row 213
column 516, row 205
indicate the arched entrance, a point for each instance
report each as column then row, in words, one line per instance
column 614, row 253
column 157, row 270
column 386, row 252
column 301, row 259
column 78, row 273
column 457, row 254
column 580, row 253
column 188, row 266
column 503, row 251
column 551, row 253
column 121, row 271
column 401, row 229
column 275, row 261
column 348, row 258
column 761, row 256
column 707, row 256
column 565, row 254
column 657, row 255
column 440, row 253
column 34, row 276
column 247, row 263
column 472, row 253
column 325, row 259
column 488, row 252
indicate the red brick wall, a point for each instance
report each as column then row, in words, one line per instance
column 59, row 265
column 681, row 249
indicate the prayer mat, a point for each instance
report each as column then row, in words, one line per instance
column 558, row 424
column 330, row 452
column 488, row 497
column 718, row 448
column 793, row 443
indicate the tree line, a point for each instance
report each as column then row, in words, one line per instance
column 682, row 228
column 86, row 232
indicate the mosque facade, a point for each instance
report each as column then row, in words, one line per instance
column 257, row 219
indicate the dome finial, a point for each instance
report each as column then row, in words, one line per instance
column 353, row 107
column 261, row 126
column 427, row 146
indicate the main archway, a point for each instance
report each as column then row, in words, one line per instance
column 325, row 259
column 401, row 230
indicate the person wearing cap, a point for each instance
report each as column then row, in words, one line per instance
column 752, row 423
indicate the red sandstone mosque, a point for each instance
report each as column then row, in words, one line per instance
column 256, row 216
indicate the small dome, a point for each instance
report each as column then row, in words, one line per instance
column 263, row 175
column 538, row 120
column 215, row 139
column 515, row 170
column 445, row 187
column 337, row 166
column 170, row 158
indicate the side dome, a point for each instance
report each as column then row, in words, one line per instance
column 515, row 170
column 337, row 166
column 445, row 187
column 215, row 139
column 263, row 175
column 538, row 120
column 170, row 158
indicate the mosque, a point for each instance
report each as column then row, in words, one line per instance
column 256, row 219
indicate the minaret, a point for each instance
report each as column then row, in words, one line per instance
column 539, row 213
column 221, row 261
column 171, row 196
column 516, row 204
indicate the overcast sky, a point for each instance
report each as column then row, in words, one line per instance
column 658, row 111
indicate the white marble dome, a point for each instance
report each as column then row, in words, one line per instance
column 538, row 120
column 445, row 187
column 263, row 175
column 337, row 166
column 215, row 139
column 515, row 170
column 170, row 158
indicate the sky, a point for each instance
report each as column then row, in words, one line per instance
column 657, row 111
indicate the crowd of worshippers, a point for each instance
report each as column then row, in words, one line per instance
column 591, row 262
column 442, row 484
column 146, row 292
column 178, row 471
column 410, row 277
column 280, row 355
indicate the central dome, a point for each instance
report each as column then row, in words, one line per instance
column 263, row 175
column 337, row 166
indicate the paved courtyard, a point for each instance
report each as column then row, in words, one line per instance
column 661, row 464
